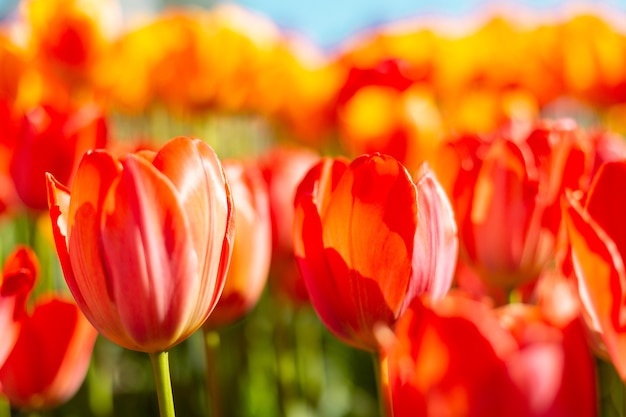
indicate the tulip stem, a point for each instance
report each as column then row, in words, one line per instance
column 380, row 372
column 211, row 351
column 161, row 370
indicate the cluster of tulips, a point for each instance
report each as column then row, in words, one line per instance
column 448, row 206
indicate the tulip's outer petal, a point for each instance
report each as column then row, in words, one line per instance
column 204, row 194
column 252, row 250
column 436, row 243
column 606, row 206
column 312, row 197
column 151, row 260
column 601, row 278
column 368, row 232
column 77, row 236
column 51, row 357
column 504, row 195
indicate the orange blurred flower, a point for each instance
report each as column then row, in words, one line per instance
column 67, row 39
column 382, row 109
column 369, row 240
column 145, row 241
column 283, row 168
column 252, row 248
column 50, row 358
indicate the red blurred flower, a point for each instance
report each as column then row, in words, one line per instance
column 369, row 240
column 460, row 358
column 506, row 191
column 18, row 278
column 145, row 241
column 49, row 360
column 252, row 248
column 53, row 140
column 283, row 168
column 596, row 230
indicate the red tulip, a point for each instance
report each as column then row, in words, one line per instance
column 449, row 361
column 461, row 358
column 18, row 278
column 50, row 359
column 506, row 194
column 145, row 241
column 53, row 140
column 252, row 248
column 596, row 228
column 369, row 241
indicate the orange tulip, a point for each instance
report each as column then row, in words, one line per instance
column 145, row 241
column 369, row 240
column 597, row 237
column 52, row 140
column 252, row 248
column 51, row 355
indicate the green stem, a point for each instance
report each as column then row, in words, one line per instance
column 161, row 370
column 211, row 348
column 381, row 385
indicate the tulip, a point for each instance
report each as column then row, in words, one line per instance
column 52, row 140
column 252, row 247
column 283, row 168
column 597, row 237
column 448, row 360
column 18, row 278
column 369, row 240
column 49, row 360
column 506, row 193
column 145, row 241
column 460, row 357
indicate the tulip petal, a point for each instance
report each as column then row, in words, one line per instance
column 85, row 272
column 149, row 251
column 201, row 187
column 311, row 196
column 370, row 225
column 436, row 244
column 601, row 279
column 504, row 195
column 606, row 206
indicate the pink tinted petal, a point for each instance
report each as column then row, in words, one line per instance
column 204, row 194
column 436, row 244
column 152, row 264
column 601, row 278
column 370, row 224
